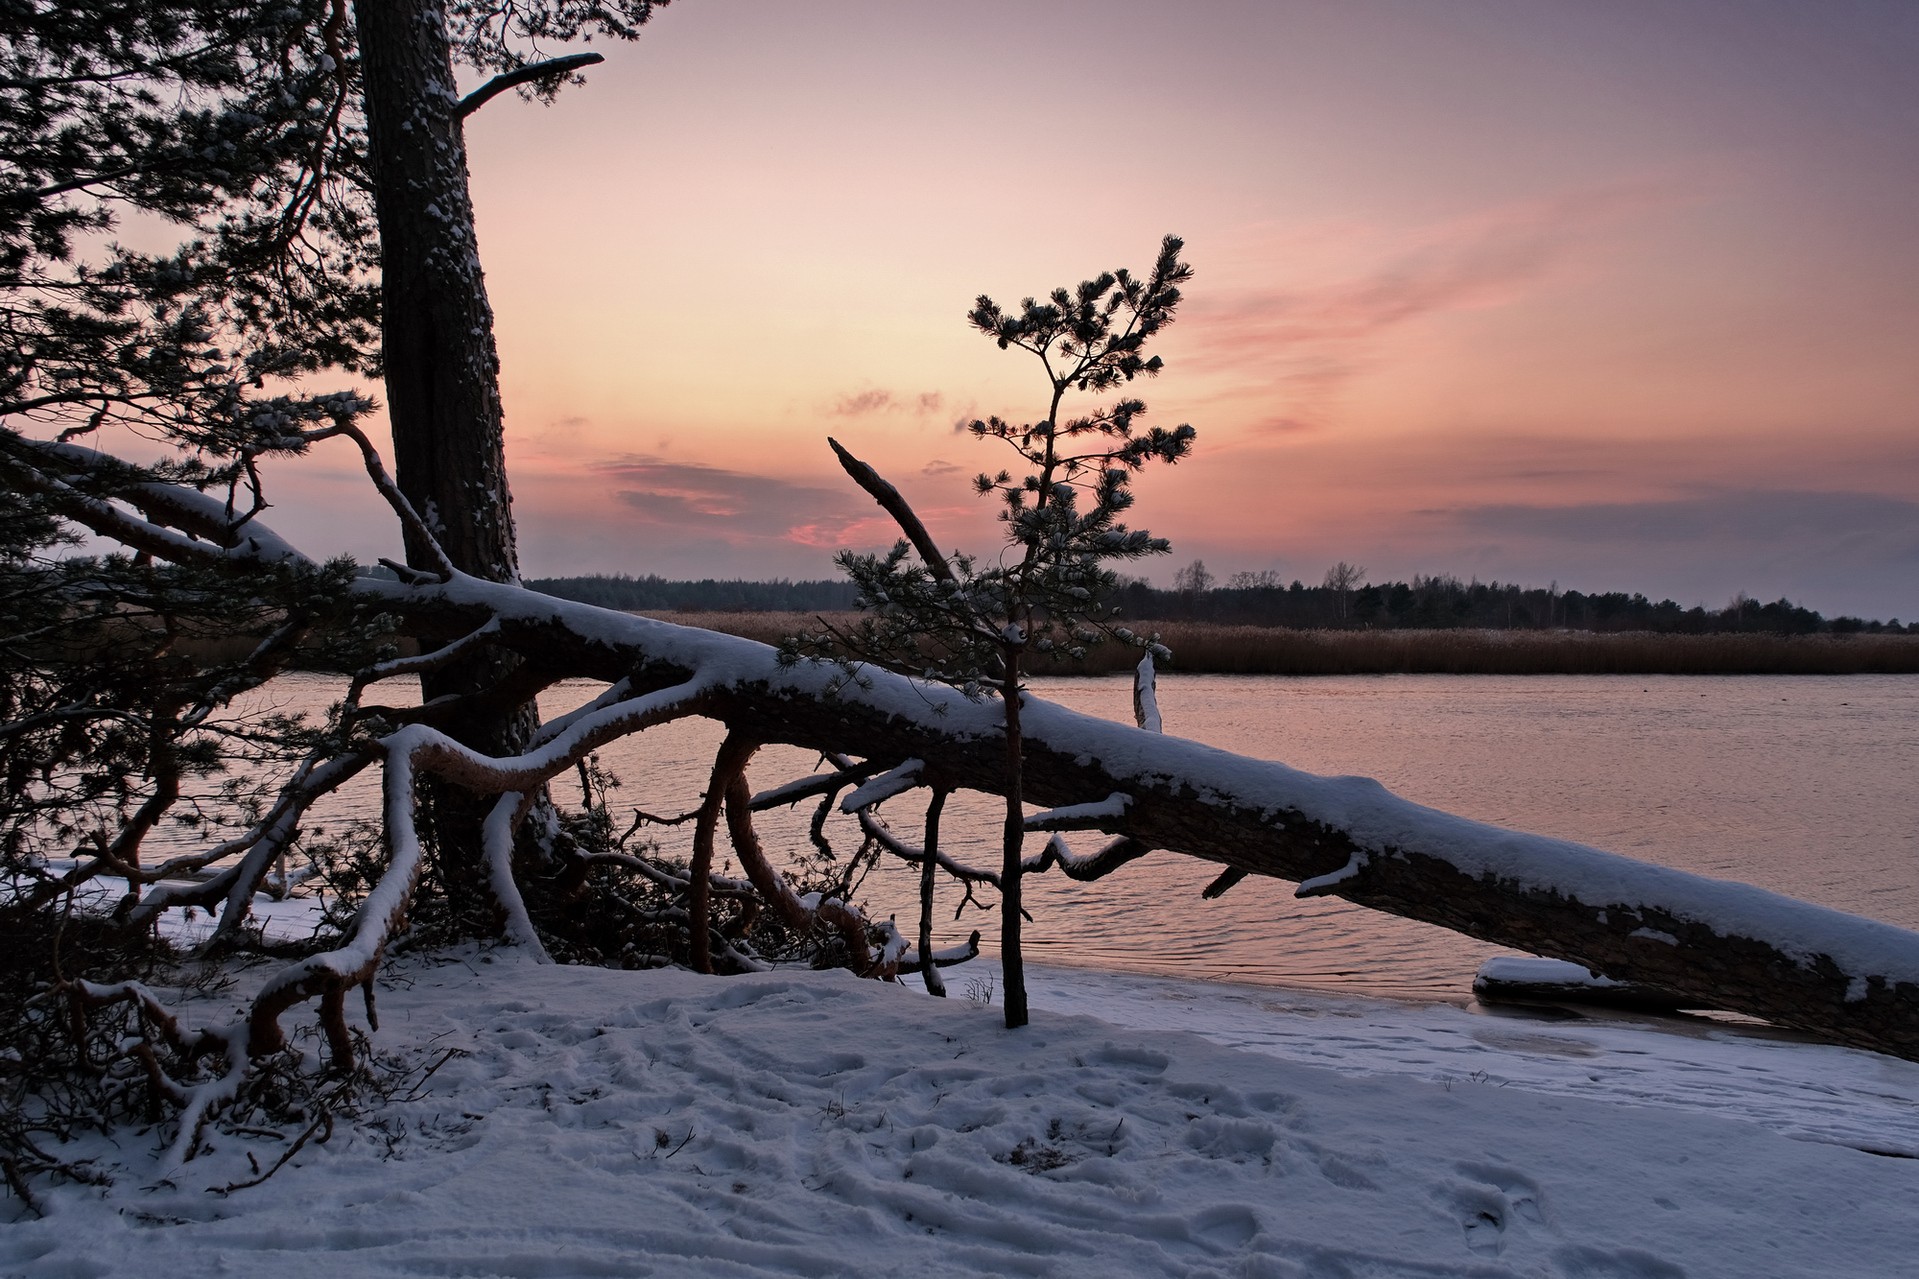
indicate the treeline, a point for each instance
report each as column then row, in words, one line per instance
column 1261, row 599
column 1446, row 603
column 653, row 593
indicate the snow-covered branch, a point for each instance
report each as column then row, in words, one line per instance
column 1094, row 816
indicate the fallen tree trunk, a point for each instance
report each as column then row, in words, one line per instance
column 1716, row 944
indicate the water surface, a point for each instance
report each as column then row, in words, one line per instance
column 1801, row 785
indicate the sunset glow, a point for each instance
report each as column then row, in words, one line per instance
column 1622, row 295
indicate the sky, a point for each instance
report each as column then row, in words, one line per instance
column 1623, row 296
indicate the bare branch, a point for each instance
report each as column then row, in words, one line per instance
column 807, row 787
column 1090, row 867
column 524, row 75
column 728, row 764
column 876, row 829
column 895, row 505
column 390, row 490
column 1219, row 887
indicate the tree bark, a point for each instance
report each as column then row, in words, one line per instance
column 442, row 370
column 442, row 376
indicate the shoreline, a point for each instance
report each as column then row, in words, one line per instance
column 1209, row 648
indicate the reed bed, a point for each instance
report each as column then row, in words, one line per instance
column 1211, row 648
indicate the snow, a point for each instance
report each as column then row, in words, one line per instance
column 1531, row 970
column 1146, row 696
column 598, row 1122
column 894, row 781
column 1081, row 816
column 1318, row 885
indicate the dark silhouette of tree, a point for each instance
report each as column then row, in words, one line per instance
column 980, row 628
column 1194, row 579
column 1342, row 579
column 441, row 368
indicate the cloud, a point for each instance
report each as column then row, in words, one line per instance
column 558, row 436
column 1284, row 425
column 879, row 400
column 938, row 466
column 735, row 506
column 861, row 403
column 1303, row 344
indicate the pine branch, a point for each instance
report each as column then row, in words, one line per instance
column 524, row 75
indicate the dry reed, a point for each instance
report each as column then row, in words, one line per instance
column 1210, row 648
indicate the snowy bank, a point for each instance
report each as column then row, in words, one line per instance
column 807, row 1123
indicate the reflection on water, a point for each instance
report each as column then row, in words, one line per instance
column 1799, row 785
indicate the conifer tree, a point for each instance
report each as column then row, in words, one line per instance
column 309, row 158
column 981, row 627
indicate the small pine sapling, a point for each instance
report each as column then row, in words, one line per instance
column 980, row 629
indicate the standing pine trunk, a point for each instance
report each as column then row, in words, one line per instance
column 442, row 371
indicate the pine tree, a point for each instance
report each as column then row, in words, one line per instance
column 981, row 628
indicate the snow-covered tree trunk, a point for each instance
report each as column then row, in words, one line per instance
column 442, row 371
column 442, row 377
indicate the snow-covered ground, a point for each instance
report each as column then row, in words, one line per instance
column 607, row 1123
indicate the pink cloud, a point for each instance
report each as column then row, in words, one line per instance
column 879, row 400
column 1303, row 345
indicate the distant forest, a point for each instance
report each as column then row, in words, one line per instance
column 1261, row 599
column 653, row 594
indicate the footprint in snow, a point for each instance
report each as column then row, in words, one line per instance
column 1492, row 1203
column 1521, row 1192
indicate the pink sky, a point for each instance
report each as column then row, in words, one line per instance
column 1624, row 295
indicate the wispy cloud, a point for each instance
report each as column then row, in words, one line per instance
column 1299, row 346
column 861, row 403
column 736, row 506
column 880, row 400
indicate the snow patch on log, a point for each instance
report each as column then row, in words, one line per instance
column 1320, row 885
column 1146, row 695
column 894, row 781
column 1530, row 979
column 1092, row 816
column 1530, row 970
